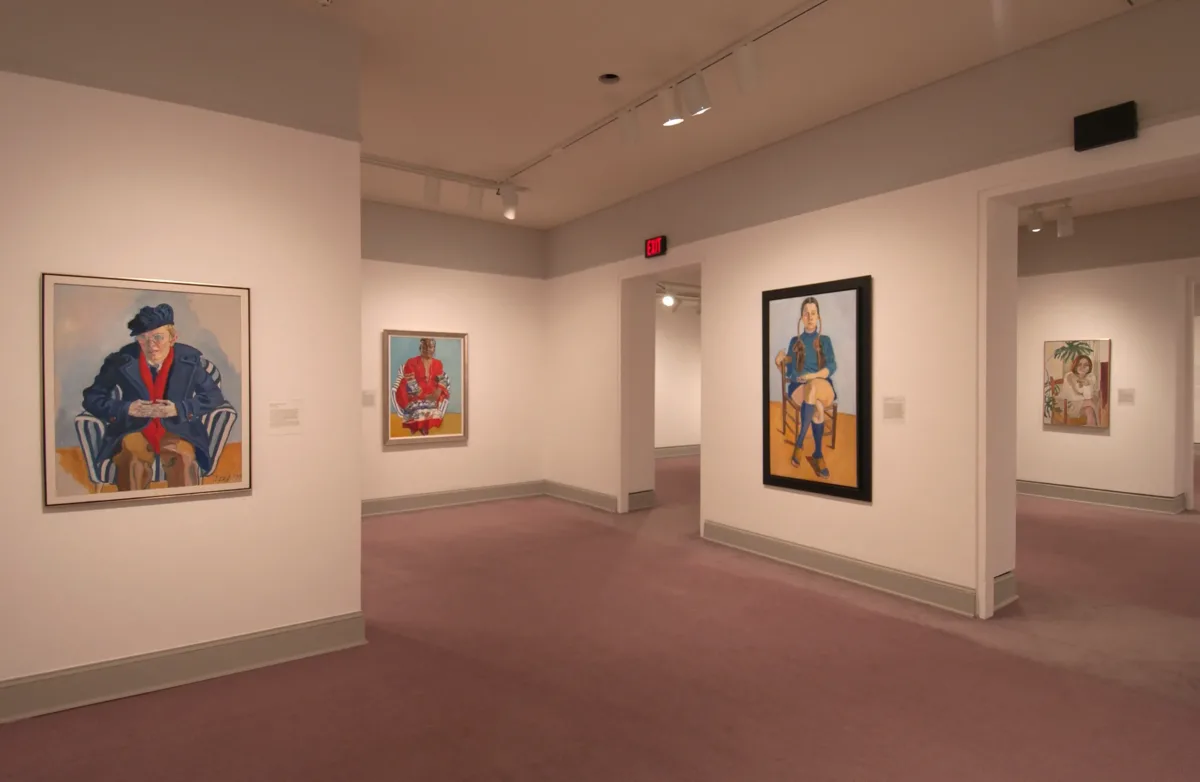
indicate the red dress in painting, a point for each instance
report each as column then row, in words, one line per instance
column 422, row 393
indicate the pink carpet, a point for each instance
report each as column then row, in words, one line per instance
column 534, row 640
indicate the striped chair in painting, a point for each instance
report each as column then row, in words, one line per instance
column 442, row 405
column 90, row 430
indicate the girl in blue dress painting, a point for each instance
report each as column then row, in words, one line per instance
column 809, row 364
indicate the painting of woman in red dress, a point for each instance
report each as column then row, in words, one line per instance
column 427, row 389
column 422, row 390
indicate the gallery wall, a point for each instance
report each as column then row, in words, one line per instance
column 583, row 333
column 100, row 183
column 1196, row 379
column 916, row 271
column 677, row 376
column 923, row 250
column 1004, row 110
column 1144, row 310
column 639, row 310
column 423, row 238
column 509, row 372
column 922, row 287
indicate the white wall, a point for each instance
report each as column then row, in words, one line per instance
column 677, row 376
column 920, row 280
column 508, row 374
column 996, row 449
column 416, row 236
column 583, row 396
column 1145, row 311
column 1196, row 379
column 1185, row 460
column 105, row 184
column 923, row 247
column 925, row 315
column 638, row 312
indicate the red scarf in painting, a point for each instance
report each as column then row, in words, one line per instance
column 157, row 386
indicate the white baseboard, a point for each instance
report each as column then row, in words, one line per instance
column 671, row 451
column 31, row 696
column 959, row 599
column 508, row 491
column 1118, row 499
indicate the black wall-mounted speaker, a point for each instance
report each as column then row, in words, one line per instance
column 1106, row 126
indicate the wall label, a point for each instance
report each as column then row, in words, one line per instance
column 284, row 418
column 893, row 408
column 1124, row 396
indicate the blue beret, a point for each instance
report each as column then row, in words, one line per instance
column 150, row 318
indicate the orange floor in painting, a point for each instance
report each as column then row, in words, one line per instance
column 840, row 460
column 451, row 424
column 228, row 471
column 1058, row 419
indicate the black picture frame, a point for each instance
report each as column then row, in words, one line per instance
column 863, row 389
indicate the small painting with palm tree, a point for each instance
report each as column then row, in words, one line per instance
column 1076, row 375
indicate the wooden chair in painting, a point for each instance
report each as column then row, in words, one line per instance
column 90, row 430
column 791, row 411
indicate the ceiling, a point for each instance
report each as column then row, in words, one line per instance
column 485, row 89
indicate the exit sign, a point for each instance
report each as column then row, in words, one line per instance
column 656, row 246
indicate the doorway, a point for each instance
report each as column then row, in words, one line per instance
column 661, row 317
column 677, row 387
column 1097, row 371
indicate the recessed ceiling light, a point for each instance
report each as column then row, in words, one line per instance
column 609, row 78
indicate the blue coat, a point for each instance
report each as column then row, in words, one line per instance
column 119, row 384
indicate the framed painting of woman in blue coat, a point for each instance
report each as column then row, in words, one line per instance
column 816, row 369
column 146, row 389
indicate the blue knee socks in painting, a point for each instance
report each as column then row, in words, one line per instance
column 806, row 415
column 819, row 455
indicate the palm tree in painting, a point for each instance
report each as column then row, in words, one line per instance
column 1067, row 352
column 1050, row 391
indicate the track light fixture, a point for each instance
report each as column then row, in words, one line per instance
column 672, row 111
column 1060, row 211
column 742, row 55
column 695, row 95
column 508, row 198
column 629, row 126
column 1066, row 222
column 673, row 295
column 745, row 63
